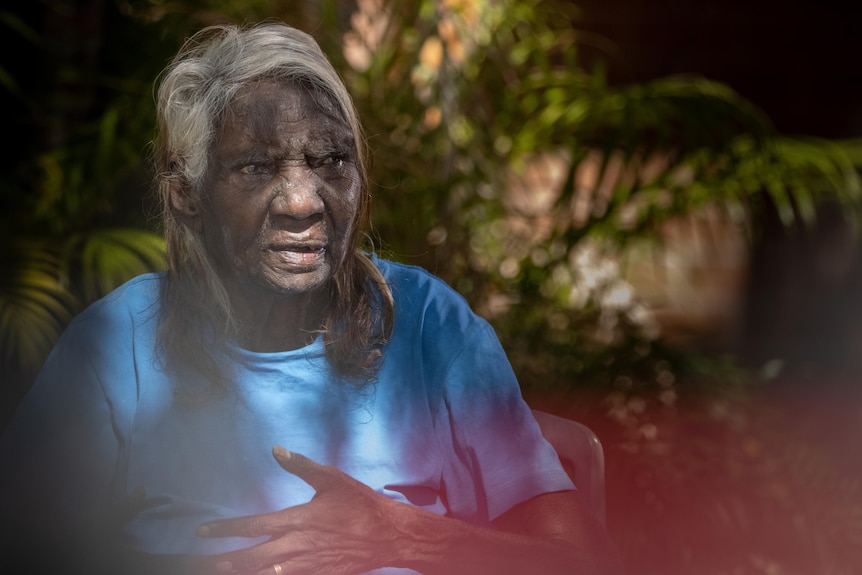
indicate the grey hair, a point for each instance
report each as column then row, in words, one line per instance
column 215, row 63
column 194, row 94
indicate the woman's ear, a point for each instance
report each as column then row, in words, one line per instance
column 185, row 201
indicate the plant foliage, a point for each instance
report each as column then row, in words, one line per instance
column 502, row 163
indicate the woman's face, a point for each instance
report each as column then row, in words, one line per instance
column 280, row 197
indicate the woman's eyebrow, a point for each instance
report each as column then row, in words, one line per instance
column 332, row 136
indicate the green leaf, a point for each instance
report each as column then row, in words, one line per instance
column 102, row 260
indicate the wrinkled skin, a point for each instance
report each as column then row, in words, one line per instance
column 276, row 209
column 345, row 528
column 348, row 529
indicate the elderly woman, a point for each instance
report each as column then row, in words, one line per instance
column 280, row 402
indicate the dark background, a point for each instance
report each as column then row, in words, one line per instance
column 798, row 61
column 801, row 63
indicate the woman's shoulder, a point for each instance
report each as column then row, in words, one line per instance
column 97, row 354
column 424, row 300
column 133, row 303
column 412, row 279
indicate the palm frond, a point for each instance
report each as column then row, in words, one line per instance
column 35, row 305
column 104, row 259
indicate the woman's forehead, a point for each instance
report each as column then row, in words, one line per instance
column 276, row 112
column 293, row 97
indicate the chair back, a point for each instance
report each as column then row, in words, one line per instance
column 582, row 456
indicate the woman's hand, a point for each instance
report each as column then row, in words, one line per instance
column 346, row 528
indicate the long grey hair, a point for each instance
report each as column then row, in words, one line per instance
column 194, row 93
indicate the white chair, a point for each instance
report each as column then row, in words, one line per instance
column 582, row 456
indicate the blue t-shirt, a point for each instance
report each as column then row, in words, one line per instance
column 444, row 427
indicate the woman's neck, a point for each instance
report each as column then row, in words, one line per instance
column 274, row 322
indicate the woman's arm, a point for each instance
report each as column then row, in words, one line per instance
column 348, row 529
column 548, row 534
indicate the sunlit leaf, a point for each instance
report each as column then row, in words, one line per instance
column 105, row 259
column 35, row 305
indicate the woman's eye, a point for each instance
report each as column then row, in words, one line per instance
column 336, row 160
column 251, row 169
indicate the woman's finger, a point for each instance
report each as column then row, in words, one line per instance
column 256, row 525
column 289, row 551
column 320, row 477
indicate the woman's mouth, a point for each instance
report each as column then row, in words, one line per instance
column 300, row 257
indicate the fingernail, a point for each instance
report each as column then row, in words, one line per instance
column 280, row 452
column 204, row 530
column 224, row 567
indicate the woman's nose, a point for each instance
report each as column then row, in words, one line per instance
column 297, row 194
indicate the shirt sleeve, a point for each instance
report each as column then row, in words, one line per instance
column 59, row 455
column 501, row 457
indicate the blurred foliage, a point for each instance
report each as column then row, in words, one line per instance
column 524, row 180
column 500, row 162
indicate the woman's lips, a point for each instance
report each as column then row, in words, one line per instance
column 301, row 256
